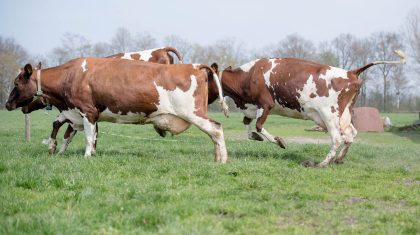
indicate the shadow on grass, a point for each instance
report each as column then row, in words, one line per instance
column 297, row 156
column 406, row 132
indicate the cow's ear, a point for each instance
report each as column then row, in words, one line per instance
column 27, row 71
column 229, row 68
column 215, row 67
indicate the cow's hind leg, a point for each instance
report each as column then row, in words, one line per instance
column 215, row 131
column 333, row 127
column 262, row 115
column 68, row 137
column 348, row 134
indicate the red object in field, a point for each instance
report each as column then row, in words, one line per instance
column 367, row 119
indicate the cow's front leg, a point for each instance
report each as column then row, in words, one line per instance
column 90, row 135
column 68, row 137
column 52, row 144
column 96, row 138
column 263, row 134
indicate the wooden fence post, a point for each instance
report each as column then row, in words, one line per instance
column 27, row 128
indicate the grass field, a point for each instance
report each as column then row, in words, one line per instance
column 139, row 183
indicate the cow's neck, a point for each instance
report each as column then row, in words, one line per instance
column 51, row 86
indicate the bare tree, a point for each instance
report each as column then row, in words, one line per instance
column 362, row 55
column 342, row 47
column 72, row 46
column 401, row 84
column 326, row 54
column 143, row 41
column 295, row 46
column 384, row 44
column 226, row 52
column 181, row 44
column 12, row 55
column 101, row 49
column 122, row 41
column 412, row 29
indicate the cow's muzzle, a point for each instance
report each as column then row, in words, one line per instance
column 10, row 106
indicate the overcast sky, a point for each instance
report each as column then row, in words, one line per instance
column 39, row 25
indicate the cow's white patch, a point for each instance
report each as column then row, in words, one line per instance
column 129, row 118
column 127, row 56
column 268, row 73
column 90, row 134
column 176, row 102
column 73, row 115
column 259, row 113
column 196, row 66
column 334, row 72
column 318, row 108
column 147, row 54
column 84, row 69
column 250, row 111
column 246, row 67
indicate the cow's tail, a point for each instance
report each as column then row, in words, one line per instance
column 222, row 102
column 175, row 51
column 400, row 61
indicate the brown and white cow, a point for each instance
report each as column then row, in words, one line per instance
column 157, row 55
column 299, row 89
column 89, row 90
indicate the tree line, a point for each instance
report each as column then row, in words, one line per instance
column 386, row 87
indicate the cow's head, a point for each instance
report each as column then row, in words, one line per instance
column 24, row 90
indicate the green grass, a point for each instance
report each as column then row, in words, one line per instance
column 148, row 185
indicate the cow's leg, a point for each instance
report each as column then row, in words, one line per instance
column 262, row 115
column 52, row 144
column 161, row 132
column 96, row 139
column 68, row 137
column 333, row 127
column 247, row 122
column 348, row 134
column 215, row 131
column 90, row 135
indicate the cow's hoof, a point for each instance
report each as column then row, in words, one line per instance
column 161, row 132
column 339, row 161
column 308, row 163
column 256, row 136
column 51, row 151
column 280, row 142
